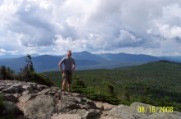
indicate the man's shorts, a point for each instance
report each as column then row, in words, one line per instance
column 67, row 76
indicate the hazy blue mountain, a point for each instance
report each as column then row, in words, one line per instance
column 129, row 57
column 84, row 60
column 88, row 56
column 173, row 58
column 13, row 63
column 9, row 56
column 46, row 62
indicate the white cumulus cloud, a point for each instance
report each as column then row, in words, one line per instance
column 52, row 27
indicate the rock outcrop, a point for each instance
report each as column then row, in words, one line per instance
column 132, row 112
column 33, row 101
column 26, row 100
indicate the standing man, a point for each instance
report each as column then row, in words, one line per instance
column 67, row 70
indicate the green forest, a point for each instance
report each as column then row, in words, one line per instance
column 156, row 83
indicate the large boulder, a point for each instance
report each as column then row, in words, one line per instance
column 85, row 108
column 132, row 112
column 122, row 111
column 40, row 107
column 10, row 110
column 15, row 88
column 174, row 115
column 69, row 103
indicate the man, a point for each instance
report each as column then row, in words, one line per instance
column 67, row 70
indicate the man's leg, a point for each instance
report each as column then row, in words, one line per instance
column 68, row 86
column 64, row 80
column 63, row 84
column 69, row 79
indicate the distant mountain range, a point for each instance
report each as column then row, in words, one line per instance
column 85, row 60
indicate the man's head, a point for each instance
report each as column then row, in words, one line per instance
column 69, row 53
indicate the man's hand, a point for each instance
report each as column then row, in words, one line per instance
column 73, row 69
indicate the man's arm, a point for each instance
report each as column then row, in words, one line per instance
column 60, row 65
column 74, row 66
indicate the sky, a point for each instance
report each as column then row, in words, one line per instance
column 151, row 27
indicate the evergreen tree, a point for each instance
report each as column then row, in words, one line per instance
column 29, row 63
column 3, row 72
column 28, row 73
column 28, row 70
column 6, row 73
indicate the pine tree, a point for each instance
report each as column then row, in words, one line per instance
column 3, row 72
column 6, row 73
column 28, row 70
column 29, row 63
column 28, row 73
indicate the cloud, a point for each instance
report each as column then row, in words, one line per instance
column 41, row 27
column 4, row 52
column 168, row 25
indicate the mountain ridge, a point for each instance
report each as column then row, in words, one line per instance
column 84, row 60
